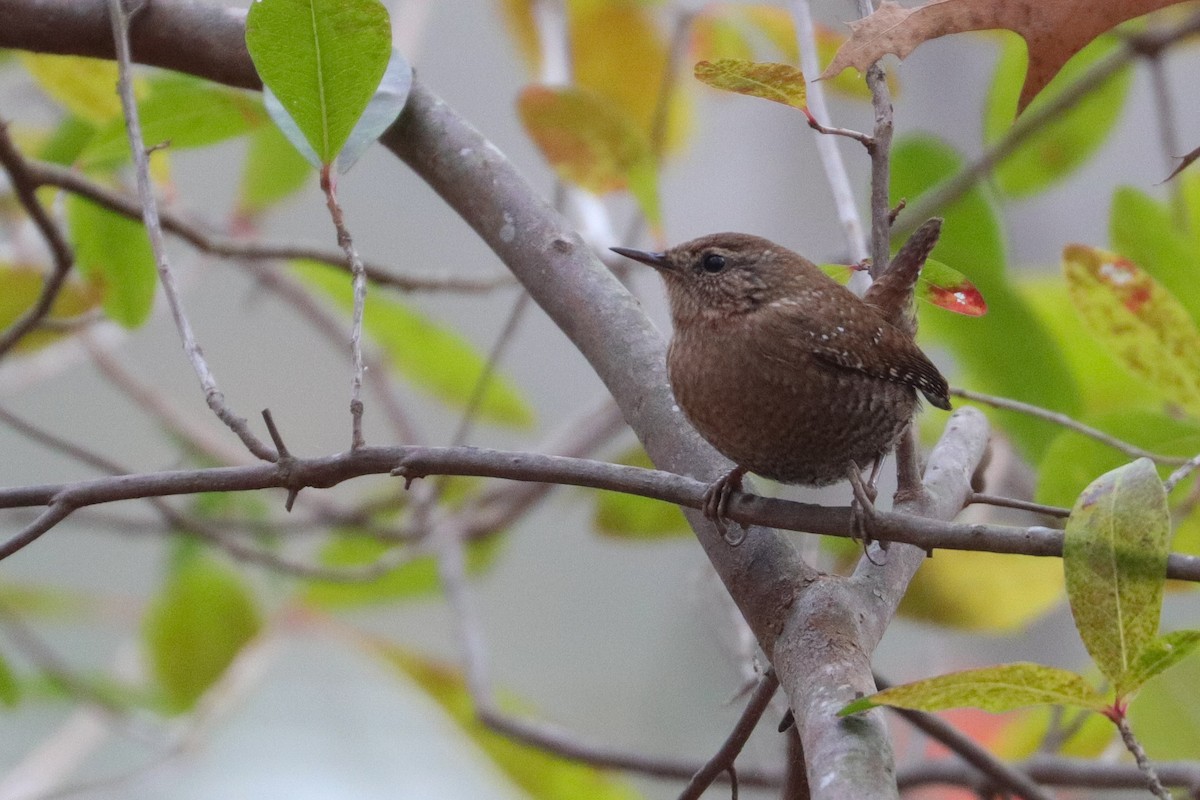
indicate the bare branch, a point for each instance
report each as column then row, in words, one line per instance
column 24, row 184
column 141, row 160
column 1058, row 418
column 722, row 760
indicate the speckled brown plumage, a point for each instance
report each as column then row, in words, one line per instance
column 784, row 371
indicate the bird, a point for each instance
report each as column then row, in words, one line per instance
column 783, row 370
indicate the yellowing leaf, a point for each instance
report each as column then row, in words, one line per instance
column 781, row 83
column 618, row 50
column 1115, row 562
column 87, row 87
column 997, row 689
column 538, row 773
column 983, row 591
column 590, row 142
column 1143, row 325
column 20, row 286
column 434, row 358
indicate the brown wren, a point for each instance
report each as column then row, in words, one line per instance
column 784, row 371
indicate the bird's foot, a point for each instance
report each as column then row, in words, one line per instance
column 862, row 509
column 716, row 505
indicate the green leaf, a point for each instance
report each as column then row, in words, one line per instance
column 1139, row 321
column 10, row 689
column 1073, row 460
column 1166, row 714
column 415, row 579
column 1104, row 385
column 199, row 622
column 1159, row 656
column 67, row 141
column 273, row 171
column 779, row 83
column 323, row 60
column 1069, row 140
column 86, row 87
column 1115, row 562
column 1148, row 234
column 539, row 774
column 996, row 689
column 591, row 142
column 971, row 243
column 627, row 516
column 183, row 111
column 432, row 357
column 115, row 252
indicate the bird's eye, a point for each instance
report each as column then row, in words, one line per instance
column 713, row 262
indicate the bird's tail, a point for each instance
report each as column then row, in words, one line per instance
column 892, row 292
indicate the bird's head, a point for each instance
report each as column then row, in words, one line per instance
column 727, row 274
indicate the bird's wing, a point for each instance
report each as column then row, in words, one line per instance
column 862, row 342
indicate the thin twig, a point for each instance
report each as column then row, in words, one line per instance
column 24, row 186
column 1143, row 761
column 484, row 381
column 1023, row 505
column 1077, row 773
column 141, row 160
column 412, row 463
column 827, row 148
column 46, row 174
column 1178, row 475
column 1058, row 418
column 722, row 760
column 881, row 161
column 1036, row 118
column 359, row 279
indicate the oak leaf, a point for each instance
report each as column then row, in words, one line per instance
column 1053, row 30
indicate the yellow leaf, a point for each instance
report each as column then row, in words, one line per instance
column 86, row 87
column 20, row 287
column 590, row 142
column 983, row 591
column 780, row 83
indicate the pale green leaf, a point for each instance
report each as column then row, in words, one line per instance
column 1115, row 561
column 1062, row 145
column 538, row 773
column 996, row 689
column 1141, row 323
column 182, row 112
column 114, row 251
column 273, row 171
column 628, row 516
column 780, row 83
column 86, row 87
column 10, row 689
column 323, row 59
column 1166, row 713
column 1160, row 655
column 416, row 578
column 434, row 358
column 195, row 627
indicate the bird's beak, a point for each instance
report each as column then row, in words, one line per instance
column 656, row 260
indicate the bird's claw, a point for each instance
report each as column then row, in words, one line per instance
column 716, row 505
column 862, row 510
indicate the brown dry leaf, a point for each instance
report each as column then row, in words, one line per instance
column 1054, row 30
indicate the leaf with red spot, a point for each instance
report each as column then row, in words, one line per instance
column 939, row 285
column 1142, row 324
